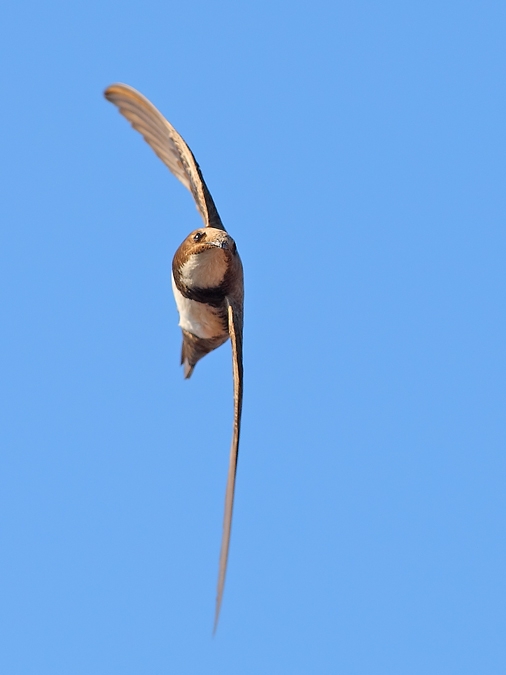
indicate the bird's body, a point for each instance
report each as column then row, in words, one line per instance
column 206, row 270
column 207, row 276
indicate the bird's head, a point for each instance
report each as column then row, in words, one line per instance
column 205, row 257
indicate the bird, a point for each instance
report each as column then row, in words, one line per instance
column 207, row 279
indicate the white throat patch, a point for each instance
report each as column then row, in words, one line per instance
column 204, row 270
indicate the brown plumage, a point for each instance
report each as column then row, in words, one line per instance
column 207, row 277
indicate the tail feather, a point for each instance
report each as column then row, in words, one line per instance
column 194, row 348
column 188, row 369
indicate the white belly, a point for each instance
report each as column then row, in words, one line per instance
column 197, row 317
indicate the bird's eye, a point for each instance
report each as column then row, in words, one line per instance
column 199, row 236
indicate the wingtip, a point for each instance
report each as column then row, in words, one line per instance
column 216, row 616
column 120, row 88
column 109, row 91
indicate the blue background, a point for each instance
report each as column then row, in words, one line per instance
column 356, row 152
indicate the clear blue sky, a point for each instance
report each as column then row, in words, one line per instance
column 357, row 153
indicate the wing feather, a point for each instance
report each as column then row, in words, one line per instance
column 235, row 327
column 167, row 144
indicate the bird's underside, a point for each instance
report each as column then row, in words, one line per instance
column 207, row 276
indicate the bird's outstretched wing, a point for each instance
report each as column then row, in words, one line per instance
column 235, row 321
column 167, row 144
